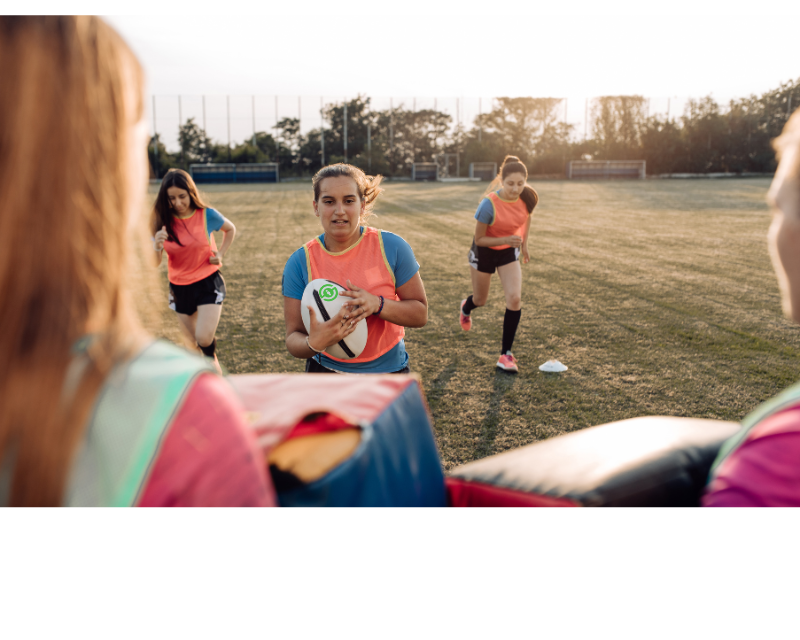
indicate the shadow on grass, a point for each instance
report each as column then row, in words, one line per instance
column 502, row 384
column 436, row 388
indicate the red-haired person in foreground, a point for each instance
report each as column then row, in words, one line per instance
column 501, row 235
column 94, row 410
column 183, row 227
column 760, row 466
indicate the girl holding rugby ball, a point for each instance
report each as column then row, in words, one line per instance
column 378, row 269
column 501, row 235
column 183, row 226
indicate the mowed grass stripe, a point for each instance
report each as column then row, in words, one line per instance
column 659, row 296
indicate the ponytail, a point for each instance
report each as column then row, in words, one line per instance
column 512, row 164
column 368, row 186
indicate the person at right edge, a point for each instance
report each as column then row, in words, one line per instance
column 760, row 465
column 501, row 235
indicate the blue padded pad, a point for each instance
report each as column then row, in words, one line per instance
column 395, row 465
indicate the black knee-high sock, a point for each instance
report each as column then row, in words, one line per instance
column 210, row 349
column 510, row 324
column 468, row 306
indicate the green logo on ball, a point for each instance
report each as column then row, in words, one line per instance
column 328, row 292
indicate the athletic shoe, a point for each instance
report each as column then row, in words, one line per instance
column 465, row 320
column 508, row 362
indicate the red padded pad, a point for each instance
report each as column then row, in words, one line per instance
column 278, row 402
column 462, row 493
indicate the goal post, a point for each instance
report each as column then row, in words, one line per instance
column 606, row 169
column 257, row 172
column 226, row 173
column 483, row 170
column 425, row 171
column 212, row 173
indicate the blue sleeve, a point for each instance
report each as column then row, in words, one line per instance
column 214, row 220
column 485, row 212
column 400, row 256
column 295, row 278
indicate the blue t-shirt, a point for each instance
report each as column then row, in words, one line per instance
column 485, row 212
column 214, row 220
column 402, row 261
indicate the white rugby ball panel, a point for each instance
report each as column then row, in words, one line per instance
column 328, row 295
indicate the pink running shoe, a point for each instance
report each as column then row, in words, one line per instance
column 466, row 321
column 508, row 362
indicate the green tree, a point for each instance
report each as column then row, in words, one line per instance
column 196, row 146
column 160, row 159
column 617, row 126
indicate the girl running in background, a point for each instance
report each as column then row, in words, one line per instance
column 93, row 410
column 183, row 226
column 501, row 234
column 377, row 267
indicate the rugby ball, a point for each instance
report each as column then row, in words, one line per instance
column 323, row 296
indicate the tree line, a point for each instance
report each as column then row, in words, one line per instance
column 707, row 138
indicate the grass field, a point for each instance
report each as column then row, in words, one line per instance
column 658, row 295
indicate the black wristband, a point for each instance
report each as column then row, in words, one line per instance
column 378, row 312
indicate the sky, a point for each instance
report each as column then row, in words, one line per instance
column 416, row 51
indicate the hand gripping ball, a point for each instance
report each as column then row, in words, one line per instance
column 323, row 296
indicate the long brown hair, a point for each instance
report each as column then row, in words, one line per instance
column 162, row 215
column 512, row 164
column 368, row 186
column 65, row 196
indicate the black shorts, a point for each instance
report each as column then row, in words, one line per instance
column 486, row 260
column 312, row 366
column 185, row 298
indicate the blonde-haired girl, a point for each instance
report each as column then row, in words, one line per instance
column 377, row 267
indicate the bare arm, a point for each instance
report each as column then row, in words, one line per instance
column 410, row 311
column 322, row 334
column 482, row 240
column 158, row 243
column 228, row 233
column 525, row 255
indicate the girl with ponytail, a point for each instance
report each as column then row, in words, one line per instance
column 501, row 235
column 378, row 269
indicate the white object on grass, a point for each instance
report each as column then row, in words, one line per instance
column 328, row 297
column 553, row 366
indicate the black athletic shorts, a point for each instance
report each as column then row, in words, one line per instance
column 185, row 298
column 312, row 366
column 486, row 260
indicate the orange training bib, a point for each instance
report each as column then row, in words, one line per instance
column 509, row 218
column 366, row 266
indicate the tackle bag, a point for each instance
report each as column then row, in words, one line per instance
column 653, row 461
column 345, row 440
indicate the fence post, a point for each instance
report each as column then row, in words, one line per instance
column 480, row 122
column 322, row 130
column 155, row 136
column 180, row 124
column 344, row 119
column 586, row 121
